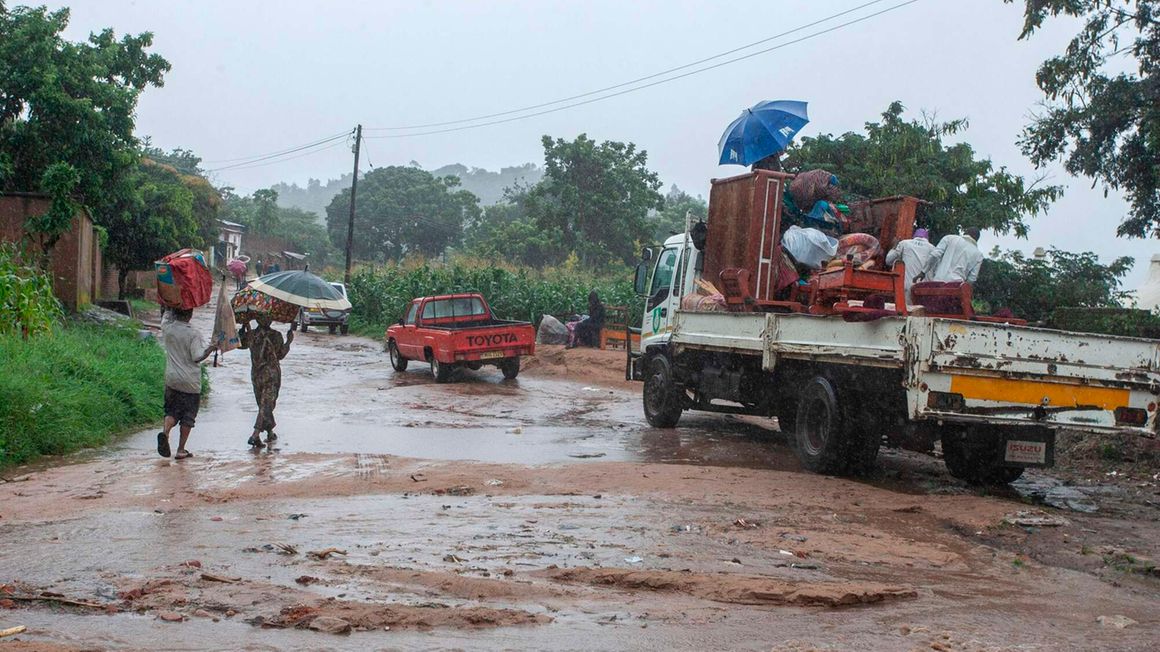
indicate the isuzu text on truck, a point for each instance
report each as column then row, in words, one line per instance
column 844, row 363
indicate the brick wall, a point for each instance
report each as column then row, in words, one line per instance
column 75, row 260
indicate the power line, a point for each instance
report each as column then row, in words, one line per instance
column 247, row 166
column 656, row 83
column 245, row 160
column 630, row 82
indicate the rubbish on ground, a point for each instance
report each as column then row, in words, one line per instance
column 417, row 479
column 1118, row 621
column 325, row 552
column 286, row 548
column 57, row 598
column 1070, row 498
column 794, row 537
column 682, row 528
column 171, row 616
column 786, row 553
column 633, row 560
column 516, row 431
column 809, row 565
column 209, row 577
column 454, row 559
column 494, row 483
column 912, row 509
column 457, row 490
column 1035, row 519
column 306, row 580
column 584, row 456
column 295, row 517
column 12, row 631
column 746, row 524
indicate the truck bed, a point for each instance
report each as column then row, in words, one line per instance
column 1000, row 373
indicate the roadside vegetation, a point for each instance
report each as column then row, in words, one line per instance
column 380, row 295
column 66, row 386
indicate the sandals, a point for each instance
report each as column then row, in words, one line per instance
column 182, row 454
column 255, row 441
column 163, row 445
column 270, row 436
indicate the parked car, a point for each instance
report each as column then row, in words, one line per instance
column 333, row 319
column 458, row 330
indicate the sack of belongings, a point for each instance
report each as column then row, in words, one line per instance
column 809, row 247
column 551, row 331
column 183, row 280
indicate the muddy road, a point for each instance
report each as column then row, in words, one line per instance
column 394, row 513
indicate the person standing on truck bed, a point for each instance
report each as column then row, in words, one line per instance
column 916, row 254
column 958, row 258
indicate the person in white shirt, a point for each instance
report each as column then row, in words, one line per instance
column 917, row 254
column 184, row 351
column 958, row 258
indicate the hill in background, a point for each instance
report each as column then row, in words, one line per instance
column 485, row 184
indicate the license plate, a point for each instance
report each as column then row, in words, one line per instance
column 491, row 354
column 1026, row 452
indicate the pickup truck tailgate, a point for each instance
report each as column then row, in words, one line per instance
column 1022, row 374
column 496, row 341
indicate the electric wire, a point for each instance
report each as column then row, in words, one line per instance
column 630, row 82
column 246, row 160
column 249, row 166
column 649, row 85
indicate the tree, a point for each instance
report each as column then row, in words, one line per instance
column 597, row 196
column 671, row 219
column 899, row 157
column 506, row 232
column 263, row 219
column 155, row 220
column 1033, row 288
column 402, row 210
column 1103, row 122
column 71, row 103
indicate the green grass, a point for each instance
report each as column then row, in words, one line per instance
column 141, row 305
column 75, row 387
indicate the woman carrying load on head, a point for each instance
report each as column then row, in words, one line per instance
column 266, row 352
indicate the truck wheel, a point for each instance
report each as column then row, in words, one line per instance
column 977, row 457
column 441, row 371
column 662, row 398
column 344, row 329
column 333, row 328
column 398, row 362
column 819, row 428
column 302, row 327
column 510, row 368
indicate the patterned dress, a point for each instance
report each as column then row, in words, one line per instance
column 266, row 350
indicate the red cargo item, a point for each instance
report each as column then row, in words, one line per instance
column 183, row 280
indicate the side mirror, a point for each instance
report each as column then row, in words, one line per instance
column 400, row 321
column 640, row 279
column 646, row 254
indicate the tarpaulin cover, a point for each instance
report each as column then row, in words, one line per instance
column 183, row 280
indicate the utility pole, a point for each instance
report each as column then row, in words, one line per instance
column 353, row 189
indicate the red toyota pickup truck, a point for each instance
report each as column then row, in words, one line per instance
column 455, row 330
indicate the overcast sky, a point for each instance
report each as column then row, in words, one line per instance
column 255, row 77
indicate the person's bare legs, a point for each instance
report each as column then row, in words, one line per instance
column 169, row 423
column 184, row 437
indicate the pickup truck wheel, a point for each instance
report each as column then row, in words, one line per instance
column 819, row 428
column 398, row 362
column 977, row 458
column 510, row 368
column 662, row 399
column 333, row 328
column 344, row 329
column 302, row 327
column 441, row 371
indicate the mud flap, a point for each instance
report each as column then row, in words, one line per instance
column 1028, row 447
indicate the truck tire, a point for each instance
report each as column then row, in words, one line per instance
column 302, row 326
column 662, row 398
column 333, row 328
column 977, row 457
column 398, row 362
column 510, row 368
column 819, row 428
column 344, row 329
column 441, row 371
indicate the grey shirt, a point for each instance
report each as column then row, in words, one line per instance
column 182, row 345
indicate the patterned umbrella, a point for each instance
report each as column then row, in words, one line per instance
column 301, row 288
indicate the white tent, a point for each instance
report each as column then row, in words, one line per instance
column 1148, row 295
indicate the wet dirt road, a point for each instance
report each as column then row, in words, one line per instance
column 543, row 513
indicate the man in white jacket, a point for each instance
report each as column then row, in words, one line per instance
column 917, row 254
column 958, row 258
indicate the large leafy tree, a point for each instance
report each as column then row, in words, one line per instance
column 1102, row 110
column 506, row 232
column 72, row 104
column 909, row 157
column 402, row 210
column 597, row 196
column 671, row 219
column 1033, row 288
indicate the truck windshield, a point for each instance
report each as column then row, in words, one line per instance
column 458, row 307
column 663, row 276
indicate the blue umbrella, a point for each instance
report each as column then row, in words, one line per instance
column 760, row 131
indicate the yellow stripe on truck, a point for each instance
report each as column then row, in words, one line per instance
column 1032, row 393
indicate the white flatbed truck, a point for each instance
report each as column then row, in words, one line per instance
column 994, row 394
